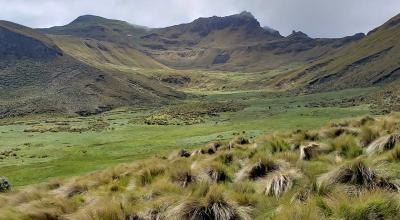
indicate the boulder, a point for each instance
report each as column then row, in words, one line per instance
column 5, row 185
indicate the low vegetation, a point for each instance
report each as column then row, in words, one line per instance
column 310, row 174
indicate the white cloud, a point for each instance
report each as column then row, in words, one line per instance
column 318, row 18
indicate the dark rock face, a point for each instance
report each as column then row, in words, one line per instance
column 298, row 36
column 204, row 26
column 15, row 45
column 176, row 80
column 221, row 58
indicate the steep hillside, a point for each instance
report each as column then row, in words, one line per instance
column 372, row 61
column 37, row 77
column 17, row 41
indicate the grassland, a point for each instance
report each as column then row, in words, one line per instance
column 37, row 149
column 347, row 169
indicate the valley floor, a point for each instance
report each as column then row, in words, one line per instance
column 36, row 149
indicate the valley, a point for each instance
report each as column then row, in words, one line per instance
column 217, row 118
column 67, row 146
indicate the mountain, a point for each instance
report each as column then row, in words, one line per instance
column 102, row 42
column 235, row 42
column 99, row 28
column 94, row 64
column 37, row 76
column 372, row 61
column 232, row 43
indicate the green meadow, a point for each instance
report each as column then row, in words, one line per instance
column 38, row 148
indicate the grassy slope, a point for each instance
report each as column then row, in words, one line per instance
column 367, row 62
column 102, row 54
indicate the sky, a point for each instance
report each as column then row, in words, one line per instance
column 317, row 18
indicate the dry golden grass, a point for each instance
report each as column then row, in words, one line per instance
column 260, row 180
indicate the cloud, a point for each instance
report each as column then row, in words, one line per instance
column 318, row 18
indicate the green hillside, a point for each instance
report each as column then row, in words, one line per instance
column 39, row 77
column 371, row 61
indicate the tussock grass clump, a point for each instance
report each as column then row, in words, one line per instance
column 394, row 155
column 368, row 205
column 215, row 205
column 357, row 174
column 214, row 145
column 147, row 175
column 183, row 177
column 226, row 158
column 183, row 153
column 338, row 131
column 75, row 190
column 300, row 136
column 280, row 182
column 104, row 210
column 383, row 144
column 367, row 135
column 196, row 153
column 302, row 211
column 238, row 141
column 346, row 145
column 216, row 173
column 279, row 145
column 311, row 150
column 45, row 209
column 258, row 169
column 366, row 120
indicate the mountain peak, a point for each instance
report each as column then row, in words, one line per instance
column 298, row 35
column 246, row 14
column 89, row 19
